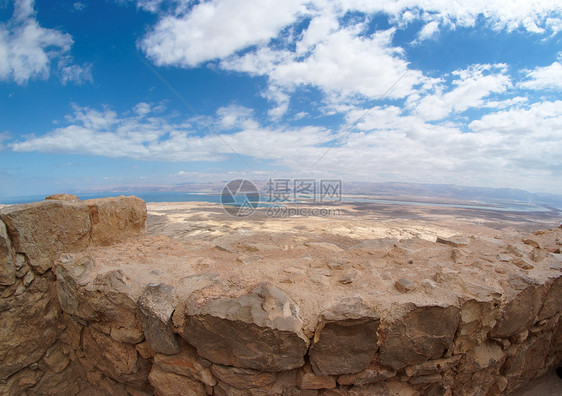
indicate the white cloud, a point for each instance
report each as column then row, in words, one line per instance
column 217, row 29
column 471, row 86
column 341, row 64
column 144, row 136
column 429, row 30
column 332, row 53
column 76, row 74
column 515, row 146
column 27, row 49
column 548, row 78
column 79, row 6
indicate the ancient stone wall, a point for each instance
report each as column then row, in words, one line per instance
column 68, row 328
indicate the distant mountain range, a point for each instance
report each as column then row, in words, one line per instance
column 416, row 192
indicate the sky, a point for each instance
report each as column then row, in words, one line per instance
column 108, row 93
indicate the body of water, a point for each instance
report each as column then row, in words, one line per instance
column 178, row 196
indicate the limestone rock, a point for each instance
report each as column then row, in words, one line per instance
column 259, row 330
column 306, row 379
column 116, row 219
column 345, row 340
column 285, row 384
column 43, row 230
column 526, row 360
column 116, row 360
column 243, row 378
column 7, row 267
column 28, row 327
column 186, row 363
column 65, row 382
column 54, row 359
column 420, row 333
column 20, row 382
column 523, row 263
column 106, row 299
column 432, row 367
column 372, row 374
column 478, row 317
column 553, row 301
column 455, row 241
column 171, row 384
column 404, row 285
column 64, row 197
column 520, row 311
column 156, row 308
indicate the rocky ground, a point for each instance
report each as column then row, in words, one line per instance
column 372, row 299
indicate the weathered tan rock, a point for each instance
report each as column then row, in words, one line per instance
column 64, row 197
column 372, row 374
column 116, row 219
column 306, row 379
column 525, row 361
column 28, row 326
column 20, row 382
column 404, row 285
column 65, row 382
column 432, row 367
column 54, row 359
column 43, row 230
column 259, row 330
column 455, row 241
column 114, row 359
column 243, row 378
column 478, row 317
column 285, row 384
column 187, row 364
column 523, row 305
column 553, row 300
column 345, row 341
column 421, row 333
column 171, row 384
column 155, row 308
column 7, row 267
column 106, row 299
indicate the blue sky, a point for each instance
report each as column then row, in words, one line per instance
column 98, row 94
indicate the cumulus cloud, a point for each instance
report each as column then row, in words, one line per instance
column 299, row 43
column 217, row 29
column 470, row 87
column 27, row 49
column 385, row 144
column 145, row 136
column 548, row 78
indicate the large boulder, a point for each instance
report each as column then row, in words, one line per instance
column 106, row 299
column 117, row 360
column 345, row 341
column 116, row 219
column 172, row 384
column 43, row 230
column 523, row 303
column 553, row 300
column 7, row 268
column 259, row 330
column 155, row 311
column 417, row 334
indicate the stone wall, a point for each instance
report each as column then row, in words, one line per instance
column 39, row 342
column 69, row 328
